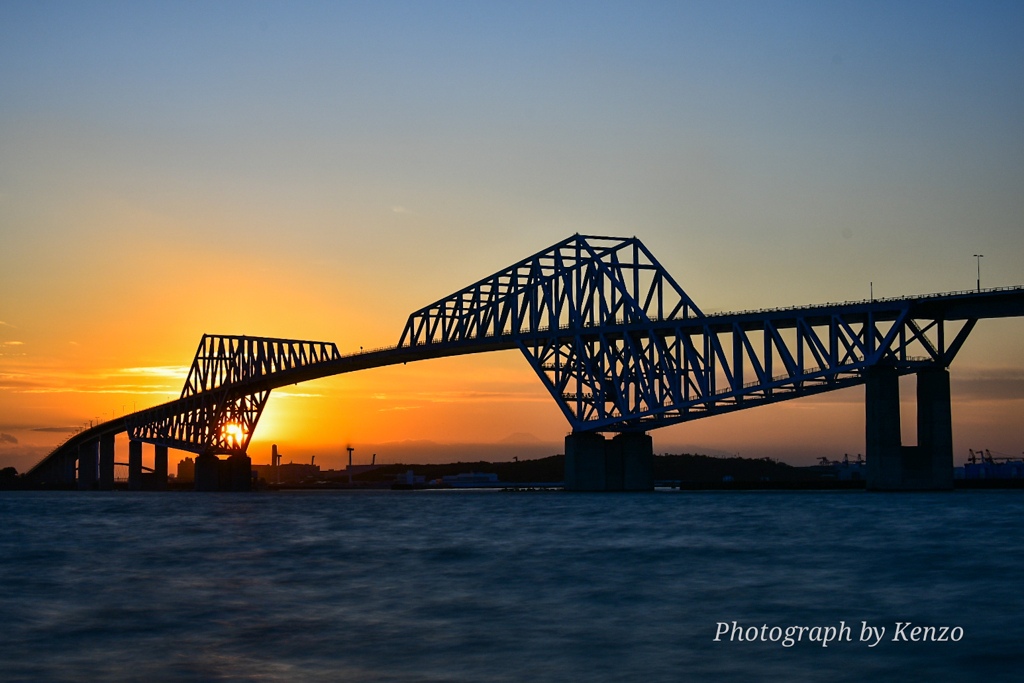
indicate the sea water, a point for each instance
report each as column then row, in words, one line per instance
column 504, row 586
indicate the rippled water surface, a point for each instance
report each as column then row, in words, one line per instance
column 491, row 586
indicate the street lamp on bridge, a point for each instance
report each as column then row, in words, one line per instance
column 979, row 257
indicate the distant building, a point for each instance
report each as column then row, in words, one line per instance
column 292, row 473
column 984, row 465
column 186, row 470
column 289, row 473
column 851, row 471
column 409, row 478
column 355, row 470
column 991, row 470
column 470, row 479
column 842, row 470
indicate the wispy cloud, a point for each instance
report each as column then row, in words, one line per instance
column 180, row 371
column 8, row 325
column 295, row 394
column 402, row 209
column 7, row 438
column 12, row 343
column 475, row 396
column 4, row 376
column 33, row 379
column 385, row 410
column 123, row 389
column 990, row 388
column 458, row 397
column 23, row 456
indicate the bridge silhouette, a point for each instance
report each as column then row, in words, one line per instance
column 621, row 348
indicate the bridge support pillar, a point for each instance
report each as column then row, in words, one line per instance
column 585, row 462
column 107, row 462
column 231, row 474
column 160, row 467
column 935, row 428
column 87, row 465
column 637, row 451
column 882, row 429
column 207, row 472
column 241, row 472
column 56, row 473
column 892, row 466
column 593, row 463
column 135, row 465
column 66, row 469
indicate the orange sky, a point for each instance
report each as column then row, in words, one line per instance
column 487, row 406
column 321, row 174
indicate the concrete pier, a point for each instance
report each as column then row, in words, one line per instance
column 87, row 453
column 160, row 467
column 66, row 473
column 231, row 474
column 882, row 429
column 624, row 463
column 207, row 473
column 637, row 451
column 935, row 426
column 585, row 462
column 106, row 462
column 241, row 472
column 892, row 466
column 135, row 465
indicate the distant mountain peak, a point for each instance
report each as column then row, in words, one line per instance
column 521, row 437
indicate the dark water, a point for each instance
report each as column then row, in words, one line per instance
column 490, row 586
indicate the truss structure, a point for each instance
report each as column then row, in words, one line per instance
column 223, row 396
column 223, row 360
column 621, row 347
column 637, row 377
column 579, row 282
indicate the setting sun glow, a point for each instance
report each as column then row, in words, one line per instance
column 233, row 433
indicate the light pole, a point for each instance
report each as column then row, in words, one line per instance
column 979, row 257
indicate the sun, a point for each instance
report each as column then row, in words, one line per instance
column 233, row 433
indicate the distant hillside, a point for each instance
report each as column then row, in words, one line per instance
column 548, row 469
column 704, row 468
column 691, row 468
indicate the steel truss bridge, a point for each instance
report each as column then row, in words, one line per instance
column 612, row 336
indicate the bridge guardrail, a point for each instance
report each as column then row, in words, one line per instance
column 894, row 299
column 725, row 314
column 56, row 448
